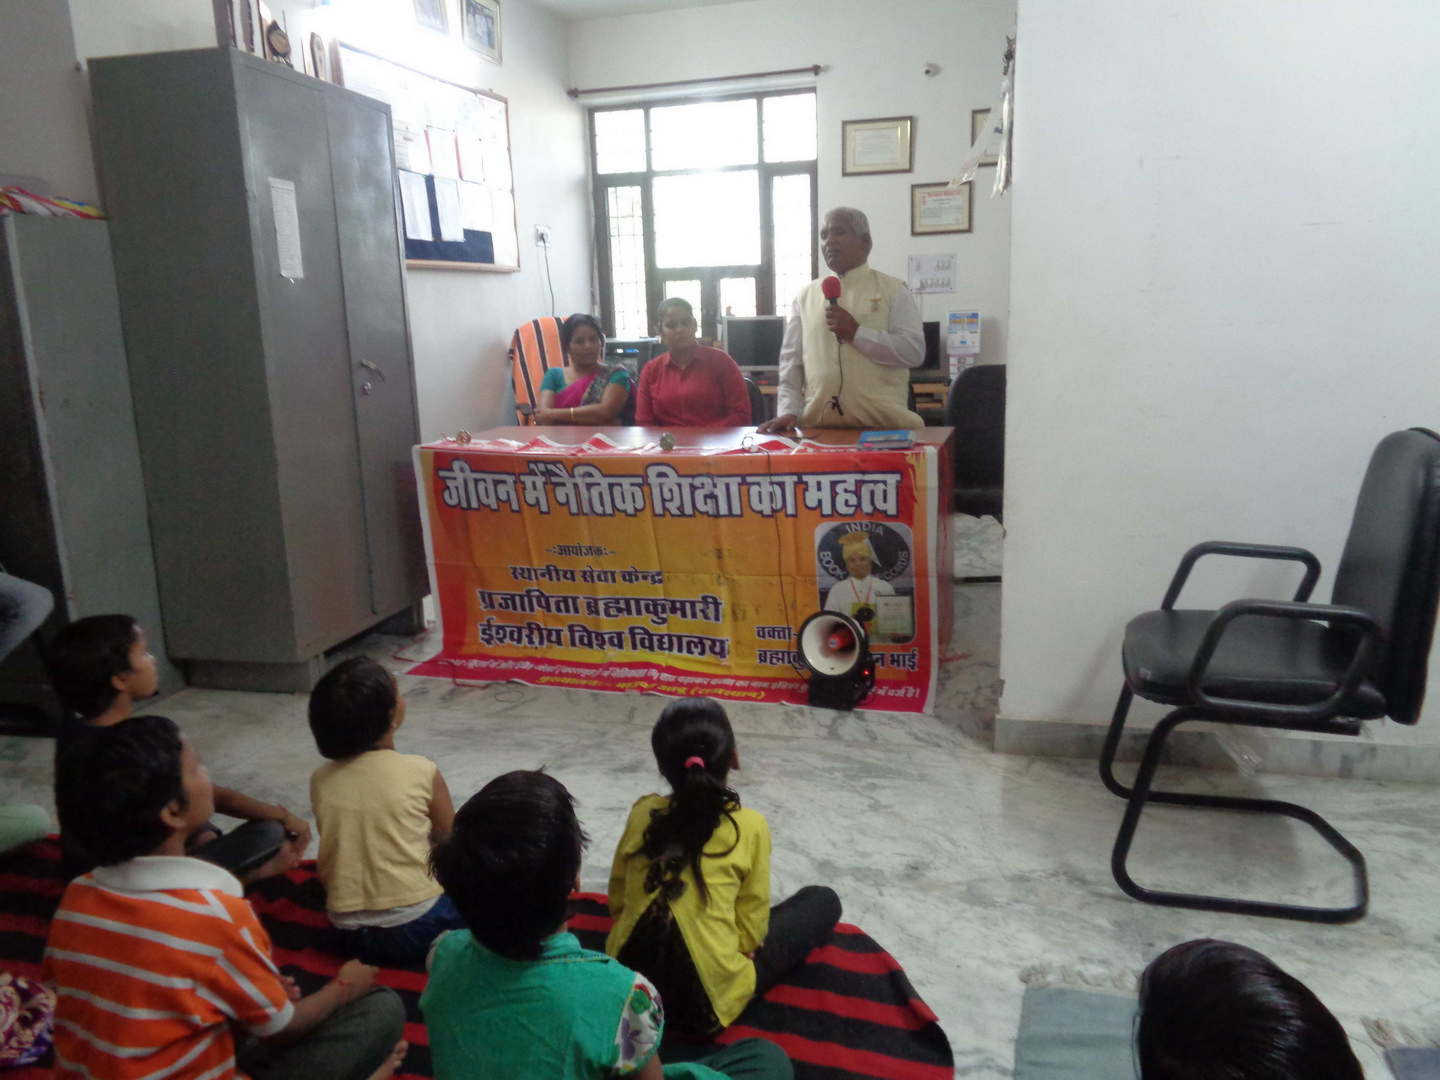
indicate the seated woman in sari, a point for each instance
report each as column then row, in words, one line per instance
column 586, row 391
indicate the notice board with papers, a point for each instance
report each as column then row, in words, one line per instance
column 452, row 160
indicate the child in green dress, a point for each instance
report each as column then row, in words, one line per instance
column 515, row 994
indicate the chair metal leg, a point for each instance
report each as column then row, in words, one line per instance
column 1112, row 743
column 1142, row 794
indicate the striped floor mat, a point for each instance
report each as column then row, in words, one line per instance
column 848, row 1012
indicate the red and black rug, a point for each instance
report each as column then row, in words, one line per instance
column 848, row 1012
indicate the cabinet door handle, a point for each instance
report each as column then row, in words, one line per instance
column 371, row 366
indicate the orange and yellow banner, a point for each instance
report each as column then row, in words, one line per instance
column 680, row 572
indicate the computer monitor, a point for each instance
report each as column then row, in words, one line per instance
column 933, row 351
column 632, row 354
column 753, row 341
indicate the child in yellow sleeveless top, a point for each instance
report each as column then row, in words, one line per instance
column 378, row 812
column 690, row 885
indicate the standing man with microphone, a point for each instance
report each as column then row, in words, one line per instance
column 850, row 340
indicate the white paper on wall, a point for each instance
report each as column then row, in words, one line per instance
column 444, row 161
column 497, row 164
column 287, row 228
column 931, row 273
column 476, row 208
column 442, row 109
column 415, row 202
column 412, row 150
column 472, row 159
column 447, row 209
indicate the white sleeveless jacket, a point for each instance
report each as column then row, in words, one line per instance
column 873, row 395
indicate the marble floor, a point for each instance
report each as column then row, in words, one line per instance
column 979, row 871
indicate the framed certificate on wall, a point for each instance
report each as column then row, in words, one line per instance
column 882, row 145
column 940, row 208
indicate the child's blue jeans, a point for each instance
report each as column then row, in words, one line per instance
column 405, row 945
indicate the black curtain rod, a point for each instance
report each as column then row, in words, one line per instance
column 813, row 69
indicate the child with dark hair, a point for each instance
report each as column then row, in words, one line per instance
column 515, row 994
column 690, row 884
column 101, row 666
column 156, row 956
column 1214, row 1010
column 378, row 812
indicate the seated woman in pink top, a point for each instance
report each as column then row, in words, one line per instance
column 692, row 385
column 586, row 390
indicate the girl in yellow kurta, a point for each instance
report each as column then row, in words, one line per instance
column 690, row 884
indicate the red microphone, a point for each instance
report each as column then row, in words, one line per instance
column 831, row 288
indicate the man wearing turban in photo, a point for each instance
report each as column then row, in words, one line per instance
column 855, row 594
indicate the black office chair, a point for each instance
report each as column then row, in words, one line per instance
column 758, row 410
column 1291, row 664
column 975, row 408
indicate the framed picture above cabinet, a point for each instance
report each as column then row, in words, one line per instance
column 480, row 27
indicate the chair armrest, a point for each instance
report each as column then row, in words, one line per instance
column 1250, row 551
column 1284, row 609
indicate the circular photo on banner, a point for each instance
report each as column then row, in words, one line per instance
column 866, row 569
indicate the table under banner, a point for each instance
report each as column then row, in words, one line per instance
column 562, row 557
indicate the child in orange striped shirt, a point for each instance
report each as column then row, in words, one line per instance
column 155, row 955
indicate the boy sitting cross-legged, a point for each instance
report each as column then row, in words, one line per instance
column 156, row 957
column 101, row 668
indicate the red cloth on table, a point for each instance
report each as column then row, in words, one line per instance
column 709, row 392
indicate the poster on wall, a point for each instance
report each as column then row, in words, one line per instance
column 930, row 273
column 962, row 334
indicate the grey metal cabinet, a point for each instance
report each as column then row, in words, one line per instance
column 258, row 256
column 72, row 498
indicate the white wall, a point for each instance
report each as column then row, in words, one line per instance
column 1223, row 293
column 873, row 63
column 42, row 124
column 105, row 28
column 460, row 321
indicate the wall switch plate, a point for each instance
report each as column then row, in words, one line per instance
column 542, row 234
